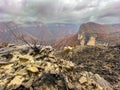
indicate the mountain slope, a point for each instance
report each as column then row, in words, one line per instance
column 93, row 34
column 37, row 29
column 7, row 31
column 101, row 33
column 60, row 30
column 70, row 40
column 49, row 33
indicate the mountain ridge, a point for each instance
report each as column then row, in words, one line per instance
column 95, row 34
column 49, row 33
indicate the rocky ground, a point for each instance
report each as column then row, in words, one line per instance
column 104, row 61
column 86, row 69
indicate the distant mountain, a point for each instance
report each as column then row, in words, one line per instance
column 99, row 34
column 48, row 33
column 60, row 30
column 7, row 31
column 93, row 34
column 37, row 29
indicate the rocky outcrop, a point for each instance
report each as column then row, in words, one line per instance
column 91, row 41
column 104, row 61
column 44, row 71
column 92, row 34
column 86, row 39
column 95, row 34
column 92, row 81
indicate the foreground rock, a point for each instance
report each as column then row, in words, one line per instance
column 104, row 61
column 44, row 71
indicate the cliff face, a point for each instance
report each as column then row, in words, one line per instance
column 94, row 34
column 86, row 39
column 91, row 41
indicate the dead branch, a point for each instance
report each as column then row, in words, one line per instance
column 22, row 38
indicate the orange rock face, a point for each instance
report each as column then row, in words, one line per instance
column 93, row 33
column 3, row 44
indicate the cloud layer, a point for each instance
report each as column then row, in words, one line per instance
column 69, row 11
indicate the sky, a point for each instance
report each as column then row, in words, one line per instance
column 61, row 11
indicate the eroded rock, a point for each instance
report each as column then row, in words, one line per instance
column 44, row 71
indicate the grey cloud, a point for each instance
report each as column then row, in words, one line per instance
column 108, row 13
column 75, row 11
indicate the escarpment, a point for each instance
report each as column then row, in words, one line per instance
column 98, row 34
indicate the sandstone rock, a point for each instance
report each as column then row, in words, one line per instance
column 97, row 34
column 94, row 82
column 83, row 80
column 25, row 72
column 16, row 82
column 68, row 49
column 103, row 83
column 33, row 69
column 91, row 41
column 21, row 72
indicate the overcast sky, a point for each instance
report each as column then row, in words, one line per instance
column 68, row 11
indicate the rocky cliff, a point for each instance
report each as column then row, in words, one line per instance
column 95, row 34
column 92, row 34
